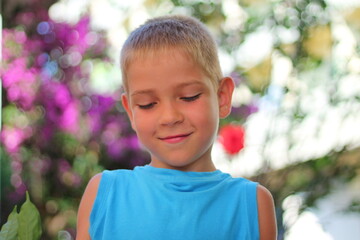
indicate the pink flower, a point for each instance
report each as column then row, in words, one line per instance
column 61, row 108
column 15, row 72
column 69, row 119
column 12, row 138
column 232, row 138
column 20, row 83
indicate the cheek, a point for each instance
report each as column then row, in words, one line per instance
column 139, row 124
column 206, row 115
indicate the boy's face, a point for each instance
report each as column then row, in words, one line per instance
column 175, row 109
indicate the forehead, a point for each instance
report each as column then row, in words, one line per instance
column 164, row 70
column 140, row 58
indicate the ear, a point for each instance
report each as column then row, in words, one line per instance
column 126, row 104
column 225, row 91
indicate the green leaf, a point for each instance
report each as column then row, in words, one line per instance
column 29, row 221
column 10, row 228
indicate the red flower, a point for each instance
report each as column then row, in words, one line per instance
column 232, row 138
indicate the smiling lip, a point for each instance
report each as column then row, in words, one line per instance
column 175, row 138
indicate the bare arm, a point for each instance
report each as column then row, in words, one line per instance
column 266, row 210
column 85, row 208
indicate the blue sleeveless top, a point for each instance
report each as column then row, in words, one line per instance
column 150, row 203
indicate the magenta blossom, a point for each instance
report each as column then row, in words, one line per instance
column 12, row 138
column 98, row 106
column 61, row 109
column 21, row 84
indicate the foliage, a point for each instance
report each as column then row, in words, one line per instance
column 313, row 179
column 25, row 225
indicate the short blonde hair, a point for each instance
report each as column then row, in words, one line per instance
column 163, row 33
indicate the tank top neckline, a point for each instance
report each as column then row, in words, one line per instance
column 172, row 174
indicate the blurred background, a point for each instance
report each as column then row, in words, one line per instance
column 294, row 126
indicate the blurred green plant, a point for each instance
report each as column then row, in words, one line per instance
column 25, row 225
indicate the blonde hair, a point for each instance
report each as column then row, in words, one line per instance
column 163, row 33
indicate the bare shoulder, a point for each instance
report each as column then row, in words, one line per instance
column 93, row 184
column 266, row 211
column 91, row 190
column 85, row 207
column 263, row 194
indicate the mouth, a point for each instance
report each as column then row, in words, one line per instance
column 175, row 138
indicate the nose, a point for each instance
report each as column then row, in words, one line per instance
column 170, row 114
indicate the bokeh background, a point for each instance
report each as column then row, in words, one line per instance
column 294, row 126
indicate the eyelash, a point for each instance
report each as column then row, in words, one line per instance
column 191, row 99
column 147, row 106
column 186, row 99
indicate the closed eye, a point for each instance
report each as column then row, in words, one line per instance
column 147, row 106
column 192, row 98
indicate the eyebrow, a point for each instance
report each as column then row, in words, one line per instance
column 139, row 92
column 181, row 85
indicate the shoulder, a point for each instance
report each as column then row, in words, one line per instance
column 92, row 187
column 85, row 207
column 95, row 180
column 91, row 190
column 266, row 213
column 263, row 194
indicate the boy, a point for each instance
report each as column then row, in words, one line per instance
column 174, row 97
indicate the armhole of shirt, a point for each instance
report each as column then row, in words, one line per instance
column 253, row 209
column 99, row 207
